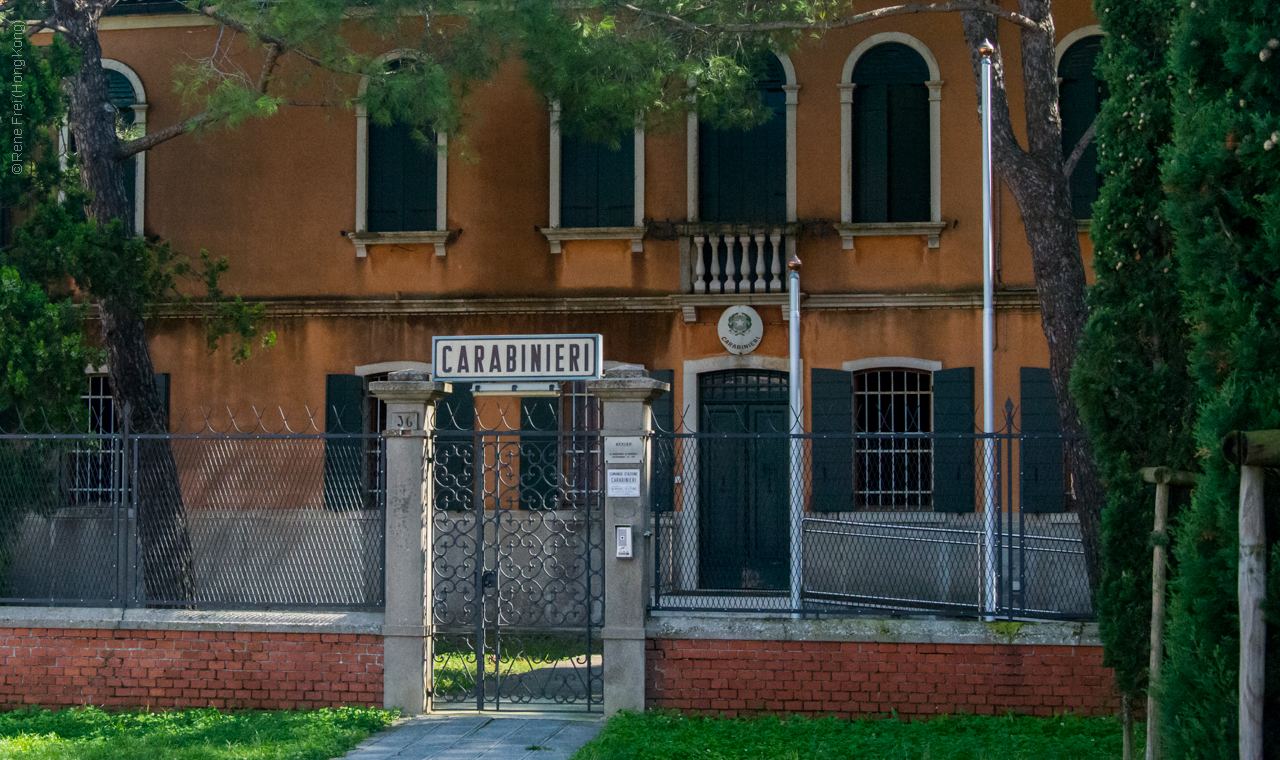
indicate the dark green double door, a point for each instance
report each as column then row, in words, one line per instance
column 743, row 458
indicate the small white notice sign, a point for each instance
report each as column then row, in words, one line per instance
column 624, row 483
column 625, row 450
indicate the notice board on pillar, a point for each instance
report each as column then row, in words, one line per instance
column 516, row 357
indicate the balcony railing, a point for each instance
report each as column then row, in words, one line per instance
column 736, row 259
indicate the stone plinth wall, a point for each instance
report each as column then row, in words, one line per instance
column 188, row 659
column 852, row 668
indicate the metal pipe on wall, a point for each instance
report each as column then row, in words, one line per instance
column 988, row 344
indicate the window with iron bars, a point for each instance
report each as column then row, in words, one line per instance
column 95, row 461
column 893, row 473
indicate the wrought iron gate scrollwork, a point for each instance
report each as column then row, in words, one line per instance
column 517, row 580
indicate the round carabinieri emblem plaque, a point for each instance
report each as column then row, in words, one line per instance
column 740, row 329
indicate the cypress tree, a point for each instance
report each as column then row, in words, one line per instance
column 1130, row 378
column 1222, row 172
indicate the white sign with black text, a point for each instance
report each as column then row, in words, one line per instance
column 624, row 484
column 516, row 357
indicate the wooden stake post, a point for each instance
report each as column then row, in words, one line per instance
column 1253, row 451
column 1163, row 477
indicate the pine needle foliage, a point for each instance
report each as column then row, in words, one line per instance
column 1130, row 378
column 1222, row 172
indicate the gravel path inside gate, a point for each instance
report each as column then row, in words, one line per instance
column 480, row 737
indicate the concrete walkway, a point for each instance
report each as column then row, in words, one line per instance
column 476, row 736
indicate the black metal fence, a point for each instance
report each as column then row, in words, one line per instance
column 517, row 568
column 868, row 524
column 199, row 521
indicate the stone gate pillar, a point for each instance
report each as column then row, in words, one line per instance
column 627, row 390
column 410, row 398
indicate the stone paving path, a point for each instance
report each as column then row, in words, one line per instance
column 473, row 736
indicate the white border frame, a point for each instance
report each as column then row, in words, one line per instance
column 1071, row 38
column 362, row 237
column 934, row 228
column 556, row 234
column 891, row 362
column 792, row 91
column 689, row 522
column 140, row 159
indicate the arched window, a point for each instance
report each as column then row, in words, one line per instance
column 890, row 136
column 742, row 174
column 122, row 97
column 1080, row 96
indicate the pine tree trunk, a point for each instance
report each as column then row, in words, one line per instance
column 1042, row 191
column 161, row 518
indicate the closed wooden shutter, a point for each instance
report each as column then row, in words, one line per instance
column 454, row 475
column 953, row 458
column 1080, row 99
column 662, row 489
column 890, row 136
column 579, row 191
column 1041, row 482
column 162, row 386
column 831, row 399
column 402, row 180
column 742, row 174
column 909, row 176
column 539, row 455
column 120, row 91
column 597, row 184
column 343, row 457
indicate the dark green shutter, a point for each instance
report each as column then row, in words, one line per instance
column 579, row 169
column 540, row 455
column 953, row 458
column 831, row 399
column 871, row 153
column 162, row 385
column 402, row 180
column 343, row 457
column 890, row 136
column 1041, row 484
column 1080, row 99
column 742, row 173
column 662, row 488
column 120, row 92
column 616, row 183
column 455, row 477
column 909, row 175
column 597, row 185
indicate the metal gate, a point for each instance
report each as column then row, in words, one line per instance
column 517, row 580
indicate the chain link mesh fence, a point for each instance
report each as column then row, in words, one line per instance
column 867, row 524
column 204, row 521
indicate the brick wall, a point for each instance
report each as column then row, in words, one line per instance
column 857, row 678
column 188, row 668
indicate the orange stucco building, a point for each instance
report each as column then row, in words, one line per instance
column 284, row 198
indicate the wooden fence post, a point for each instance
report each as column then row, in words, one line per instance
column 1253, row 451
column 1163, row 477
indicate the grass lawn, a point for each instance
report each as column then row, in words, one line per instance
column 91, row 734
column 669, row 736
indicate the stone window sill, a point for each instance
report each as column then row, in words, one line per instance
column 363, row 240
column 556, row 235
column 882, row 229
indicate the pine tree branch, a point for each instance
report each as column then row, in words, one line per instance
column 978, row 6
column 1081, row 146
